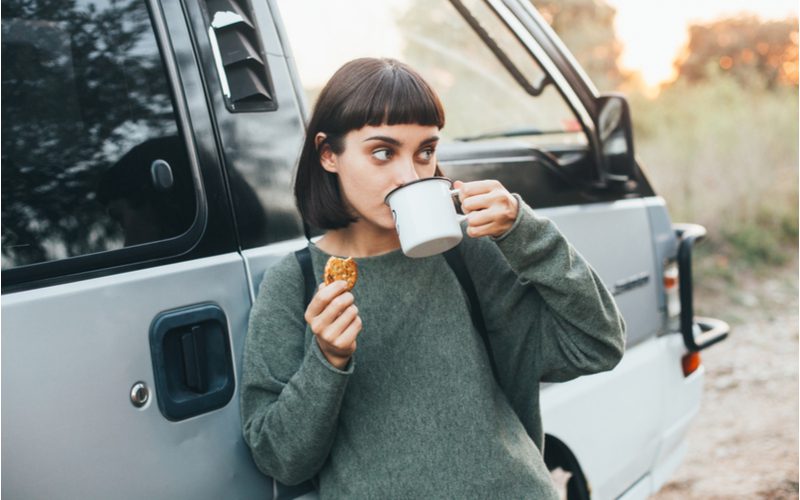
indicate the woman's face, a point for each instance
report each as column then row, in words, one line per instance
column 378, row 159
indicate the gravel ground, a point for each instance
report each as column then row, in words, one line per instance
column 744, row 442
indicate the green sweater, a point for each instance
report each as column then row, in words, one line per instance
column 417, row 413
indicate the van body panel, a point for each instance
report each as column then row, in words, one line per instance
column 665, row 243
column 683, row 396
column 616, row 412
column 614, row 239
column 639, row 491
column 71, row 431
column 260, row 259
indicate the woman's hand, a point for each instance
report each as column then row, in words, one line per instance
column 490, row 209
column 334, row 319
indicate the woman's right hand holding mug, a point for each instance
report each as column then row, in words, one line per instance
column 333, row 317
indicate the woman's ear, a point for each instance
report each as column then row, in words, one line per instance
column 327, row 158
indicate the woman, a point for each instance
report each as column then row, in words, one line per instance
column 386, row 391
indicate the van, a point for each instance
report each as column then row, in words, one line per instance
column 148, row 150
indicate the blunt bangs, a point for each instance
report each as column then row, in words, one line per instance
column 388, row 93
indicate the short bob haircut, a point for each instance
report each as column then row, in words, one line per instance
column 364, row 91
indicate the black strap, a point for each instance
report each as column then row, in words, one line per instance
column 303, row 257
column 456, row 262
column 285, row 492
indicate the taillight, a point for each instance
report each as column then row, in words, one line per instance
column 671, row 289
column 690, row 363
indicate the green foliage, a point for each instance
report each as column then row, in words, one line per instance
column 756, row 245
column 725, row 155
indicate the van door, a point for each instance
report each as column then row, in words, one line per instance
column 516, row 114
column 124, row 297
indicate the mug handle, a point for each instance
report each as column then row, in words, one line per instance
column 455, row 196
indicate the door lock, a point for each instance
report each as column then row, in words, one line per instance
column 140, row 394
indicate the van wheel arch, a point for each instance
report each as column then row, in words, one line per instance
column 558, row 455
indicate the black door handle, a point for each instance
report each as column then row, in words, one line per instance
column 192, row 361
column 195, row 364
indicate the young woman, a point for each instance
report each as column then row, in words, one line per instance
column 386, row 391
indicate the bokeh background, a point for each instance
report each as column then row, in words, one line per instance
column 713, row 88
column 714, row 101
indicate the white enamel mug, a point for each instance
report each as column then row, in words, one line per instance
column 425, row 216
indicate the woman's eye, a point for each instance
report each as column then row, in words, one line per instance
column 382, row 154
column 426, row 154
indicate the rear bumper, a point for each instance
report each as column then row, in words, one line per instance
column 682, row 404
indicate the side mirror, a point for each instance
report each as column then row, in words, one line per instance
column 615, row 131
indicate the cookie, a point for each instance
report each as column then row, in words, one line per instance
column 341, row 269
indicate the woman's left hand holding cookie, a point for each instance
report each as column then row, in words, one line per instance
column 490, row 209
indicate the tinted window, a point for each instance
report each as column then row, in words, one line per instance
column 92, row 157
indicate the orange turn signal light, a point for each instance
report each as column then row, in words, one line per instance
column 690, row 363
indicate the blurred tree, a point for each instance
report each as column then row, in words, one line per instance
column 746, row 48
column 587, row 28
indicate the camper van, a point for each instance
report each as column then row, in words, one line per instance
column 148, row 151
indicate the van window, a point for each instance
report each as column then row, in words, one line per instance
column 481, row 97
column 92, row 157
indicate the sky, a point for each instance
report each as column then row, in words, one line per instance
column 654, row 32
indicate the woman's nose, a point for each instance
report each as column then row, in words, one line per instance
column 405, row 172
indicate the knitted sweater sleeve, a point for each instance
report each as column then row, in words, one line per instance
column 290, row 394
column 549, row 316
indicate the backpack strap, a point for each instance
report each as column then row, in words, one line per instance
column 456, row 262
column 303, row 257
column 297, row 491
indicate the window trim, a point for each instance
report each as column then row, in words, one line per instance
column 560, row 54
column 89, row 265
column 574, row 77
column 487, row 39
column 524, row 34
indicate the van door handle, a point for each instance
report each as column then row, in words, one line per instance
column 192, row 360
column 193, row 347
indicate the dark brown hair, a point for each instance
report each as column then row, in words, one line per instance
column 364, row 91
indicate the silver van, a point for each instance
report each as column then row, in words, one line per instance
column 148, row 149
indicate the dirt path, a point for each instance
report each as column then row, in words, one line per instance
column 744, row 443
